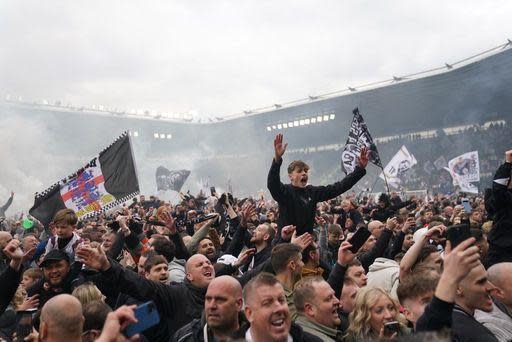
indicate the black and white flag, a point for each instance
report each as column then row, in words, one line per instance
column 170, row 180
column 358, row 136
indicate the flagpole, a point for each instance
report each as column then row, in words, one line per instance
column 385, row 179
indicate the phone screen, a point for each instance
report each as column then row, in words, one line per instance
column 212, row 191
column 466, row 205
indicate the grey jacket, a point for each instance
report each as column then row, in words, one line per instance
column 326, row 334
column 498, row 321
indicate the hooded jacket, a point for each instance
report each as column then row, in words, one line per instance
column 500, row 236
column 384, row 273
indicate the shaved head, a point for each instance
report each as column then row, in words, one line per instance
column 199, row 271
column 500, row 275
column 228, row 283
column 223, row 302
column 62, row 319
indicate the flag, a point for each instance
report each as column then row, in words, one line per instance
column 107, row 181
column 358, row 136
column 462, row 183
column 170, row 180
column 464, row 170
column 397, row 167
column 466, row 166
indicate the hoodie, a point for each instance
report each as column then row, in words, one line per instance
column 177, row 270
column 384, row 273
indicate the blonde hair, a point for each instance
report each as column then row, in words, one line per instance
column 87, row 293
column 19, row 297
column 360, row 317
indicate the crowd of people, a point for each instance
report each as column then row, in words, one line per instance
column 312, row 263
column 427, row 174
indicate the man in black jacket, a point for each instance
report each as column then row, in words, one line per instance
column 297, row 201
column 462, row 288
column 499, row 206
column 179, row 303
column 11, row 276
column 222, row 316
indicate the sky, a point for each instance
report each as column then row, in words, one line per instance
column 216, row 58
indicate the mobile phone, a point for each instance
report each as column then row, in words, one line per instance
column 458, row 233
column 391, row 327
column 147, row 317
column 212, row 190
column 466, row 205
column 358, row 239
column 24, row 325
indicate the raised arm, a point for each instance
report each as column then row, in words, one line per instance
column 8, row 203
column 130, row 283
column 457, row 264
column 413, row 253
column 324, row 193
column 274, row 185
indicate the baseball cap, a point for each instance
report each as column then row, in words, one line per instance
column 54, row 255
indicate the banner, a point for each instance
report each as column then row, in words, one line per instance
column 466, row 166
column 397, row 167
column 465, row 169
column 463, row 184
column 358, row 136
column 170, row 180
column 107, row 181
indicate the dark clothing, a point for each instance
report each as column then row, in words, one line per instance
column 437, row 316
column 157, row 333
column 336, row 278
column 179, row 304
column 296, row 332
column 395, row 247
column 297, row 206
column 440, row 315
column 194, row 331
column 9, row 282
column 466, row 328
column 382, row 214
column 500, row 203
column 352, row 214
column 367, row 258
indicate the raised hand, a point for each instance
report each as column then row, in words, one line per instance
column 363, row 158
column 461, row 260
column 116, row 322
column 302, row 241
column 93, row 257
column 279, row 147
column 243, row 258
column 13, row 250
column 287, row 232
column 345, row 256
column 248, row 210
column 29, row 303
column 169, row 222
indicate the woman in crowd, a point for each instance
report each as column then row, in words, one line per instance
column 375, row 315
